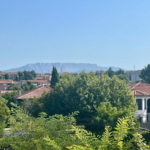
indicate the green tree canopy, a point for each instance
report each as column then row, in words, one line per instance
column 120, row 71
column 24, row 87
column 6, row 76
column 61, row 133
column 2, row 77
column 55, row 77
column 10, row 97
column 84, row 93
column 123, row 77
column 4, row 113
column 145, row 74
column 110, row 72
column 26, row 75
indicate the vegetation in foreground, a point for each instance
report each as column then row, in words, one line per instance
column 61, row 133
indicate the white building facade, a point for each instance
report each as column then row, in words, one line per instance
column 142, row 93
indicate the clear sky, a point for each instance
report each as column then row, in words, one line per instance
column 103, row 32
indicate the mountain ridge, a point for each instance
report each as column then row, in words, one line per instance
column 61, row 67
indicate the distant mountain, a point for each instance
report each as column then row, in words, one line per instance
column 64, row 67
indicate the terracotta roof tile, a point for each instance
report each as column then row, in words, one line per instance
column 7, row 82
column 35, row 93
column 10, row 73
column 36, row 81
column 140, row 88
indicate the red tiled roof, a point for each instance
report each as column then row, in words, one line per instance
column 7, row 82
column 36, row 81
column 10, row 73
column 140, row 88
column 35, row 93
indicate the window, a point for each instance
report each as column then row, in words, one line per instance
column 139, row 103
column 145, row 103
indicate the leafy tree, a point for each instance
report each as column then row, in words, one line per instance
column 120, row 71
column 33, row 73
column 123, row 77
column 6, row 76
column 84, row 93
column 1, row 77
column 24, row 87
column 110, row 72
column 26, row 75
column 10, row 97
column 145, row 74
column 21, row 75
column 55, row 77
column 4, row 113
column 61, row 133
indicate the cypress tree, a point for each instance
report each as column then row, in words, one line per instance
column 6, row 76
column 55, row 77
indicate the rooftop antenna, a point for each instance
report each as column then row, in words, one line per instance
column 134, row 67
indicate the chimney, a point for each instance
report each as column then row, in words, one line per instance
column 19, row 92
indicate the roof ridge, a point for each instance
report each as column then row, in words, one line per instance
column 141, row 92
column 136, row 85
column 25, row 93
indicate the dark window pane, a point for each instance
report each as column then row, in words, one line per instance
column 139, row 103
column 145, row 103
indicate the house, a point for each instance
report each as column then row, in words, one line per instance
column 35, row 93
column 12, row 75
column 142, row 93
column 36, row 82
column 2, row 92
column 4, row 84
column 133, row 75
column 43, row 77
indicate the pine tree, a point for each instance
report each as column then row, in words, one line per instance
column 55, row 77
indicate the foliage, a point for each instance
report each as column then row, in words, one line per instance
column 27, row 75
column 6, row 76
column 107, row 115
column 110, row 72
column 4, row 113
column 145, row 74
column 85, row 93
column 61, row 133
column 123, row 77
column 24, row 87
column 120, row 71
column 10, row 97
column 55, row 77
column 2, row 77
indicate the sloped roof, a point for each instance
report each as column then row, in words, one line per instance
column 36, row 81
column 10, row 73
column 35, row 93
column 140, row 88
column 7, row 82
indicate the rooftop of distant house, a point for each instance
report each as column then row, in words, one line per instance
column 140, row 88
column 8, row 82
column 35, row 93
column 10, row 73
column 2, row 92
column 36, row 81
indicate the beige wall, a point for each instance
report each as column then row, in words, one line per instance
column 3, row 86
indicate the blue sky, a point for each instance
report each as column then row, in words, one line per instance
column 106, row 33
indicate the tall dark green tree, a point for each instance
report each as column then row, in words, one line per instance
column 145, row 74
column 6, row 76
column 110, row 72
column 120, row 71
column 55, row 77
